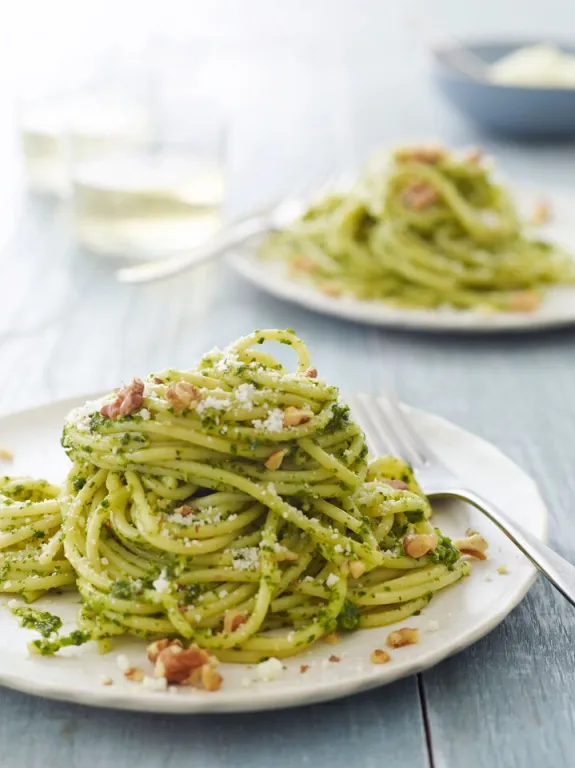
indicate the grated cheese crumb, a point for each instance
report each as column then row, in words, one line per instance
column 273, row 423
column 432, row 625
column 145, row 414
column 502, row 570
column 270, row 670
column 213, row 403
column 155, row 683
column 331, row 580
column 244, row 394
column 245, row 558
column 179, row 518
column 123, row 662
column 161, row 584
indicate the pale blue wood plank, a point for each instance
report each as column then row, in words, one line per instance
column 509, row 699
column 362, row 731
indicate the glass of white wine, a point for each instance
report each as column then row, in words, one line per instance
column 155, row 198
column 47, row 126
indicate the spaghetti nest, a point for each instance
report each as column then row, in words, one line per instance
column 31, row 555
column 233, row 505
column 433, row 229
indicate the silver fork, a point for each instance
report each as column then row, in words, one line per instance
column 389, row 430
column 237, row 232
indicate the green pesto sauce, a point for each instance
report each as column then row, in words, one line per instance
column 348, row 618
column 445, row 552
column 43, row 622
column 50, row 647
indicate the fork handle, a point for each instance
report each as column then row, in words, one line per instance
column 230, row 236
column 555, row 568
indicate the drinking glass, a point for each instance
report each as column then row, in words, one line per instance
column 154, row 198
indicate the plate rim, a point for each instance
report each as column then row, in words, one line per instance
column 101, row 696
column 383, row 316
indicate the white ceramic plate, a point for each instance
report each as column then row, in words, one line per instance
column 557, row 309
column 464, row 612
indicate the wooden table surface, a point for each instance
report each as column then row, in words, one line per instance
column 67, row 328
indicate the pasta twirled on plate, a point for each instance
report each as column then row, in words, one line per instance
column 31, row 554
column 234, row 506
column 431, row 229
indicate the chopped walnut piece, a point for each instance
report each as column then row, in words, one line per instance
column 157, row 380
column 304, row 264
column 176, row 664
column 524, row 301
column 184, row 510
column 330, row 289
column 128, row 400
column 183, row 396
column 155, row 648
column 311, row 373
column 424, row 153
column 233, row 619
column 419, row 195
column 293, row 416
column 211, row 679
column 404, row 636
column 6, row 454
column 135, row 674
column 399, row 485
column 205, row 676
column 195, row 678
column 474, row 546
column 473, row 155
column 334, row 659
column 106, row 680
column 419, row 544
column 303, row 669
column 285, row 555
column 541, row 213
column 275, row 460
column 356, row 569
column 379, row 656
column 332, row 638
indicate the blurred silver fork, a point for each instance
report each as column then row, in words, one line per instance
column 389, row 430
column 269, row 219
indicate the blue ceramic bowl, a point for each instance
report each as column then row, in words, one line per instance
column 518, row 111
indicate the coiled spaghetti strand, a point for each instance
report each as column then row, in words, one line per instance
column 431, row 229
column 234, row 506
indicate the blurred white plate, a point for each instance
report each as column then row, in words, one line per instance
column 557, row 308
column 464, row 612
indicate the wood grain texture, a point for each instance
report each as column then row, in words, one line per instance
column 384, row 722
column 67, row 328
